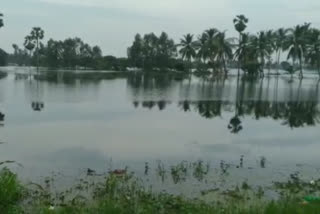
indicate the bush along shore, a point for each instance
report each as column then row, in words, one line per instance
column 120, row 192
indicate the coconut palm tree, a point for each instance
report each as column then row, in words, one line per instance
column 223, row 49
column 242, row 51
column 188, row 50
column 202, row 47
column 1, row 20
column 296, row 44
column 240, row 24
column 262, row 46
column 312, row 54
column 272, row 45
column 280, row 37
column 210, row 44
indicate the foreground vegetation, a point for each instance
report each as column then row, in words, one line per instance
column 122, row 193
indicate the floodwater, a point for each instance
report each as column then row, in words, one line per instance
column 69, row 127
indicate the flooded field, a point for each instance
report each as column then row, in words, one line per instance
column 211, row 133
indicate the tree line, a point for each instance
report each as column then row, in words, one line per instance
column 211, row 51
column 70, row 53
column 3, row 54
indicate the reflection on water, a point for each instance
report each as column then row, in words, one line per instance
column 1, row 117
column 293, row 114
column 296, row 108
column 85, row 124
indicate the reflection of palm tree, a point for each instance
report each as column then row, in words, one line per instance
column 259, row 110
column 161, row 105
column 275, row 104
column 2, row 116
column 209, row 109
column 136, row 104
column 1, row 20
column 185, row 105
column 148, row 104
column 235, row 125
column 37, row 106
column 299, row 113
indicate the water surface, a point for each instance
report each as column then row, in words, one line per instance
column 69, row 127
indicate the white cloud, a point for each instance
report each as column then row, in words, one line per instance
column 171, row 8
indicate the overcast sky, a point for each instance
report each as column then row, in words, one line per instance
column 112, row 24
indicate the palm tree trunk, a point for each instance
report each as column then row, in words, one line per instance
column 279, row 53
column 261, row 69
column 300, row 63
column 37, row 55
column 212, row 64
column 30, row 64
column 292, row 69
column 224, row 65
column 318, row 63
column 239, row 57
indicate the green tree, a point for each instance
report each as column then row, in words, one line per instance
column 280, row 37
column 166, row 50
column 20, row 56
column 54, row 51
column 29, row 46
column 211, row 44
column 223, row 49
column 152, row 52
column 71, row 52
column 202, row 47
column 296, row 44
column 240, row 24
column 3, row 54
column 312, row 55
column 135, row 52
column 3, row 58
column 262, row 46
column 36, row 35
column 188, row 48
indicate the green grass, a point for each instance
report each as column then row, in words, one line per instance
column 127, row 195
column 11, row 192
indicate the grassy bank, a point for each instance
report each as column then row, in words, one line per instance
column 125, row 194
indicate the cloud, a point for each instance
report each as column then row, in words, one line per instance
column 171, row 8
